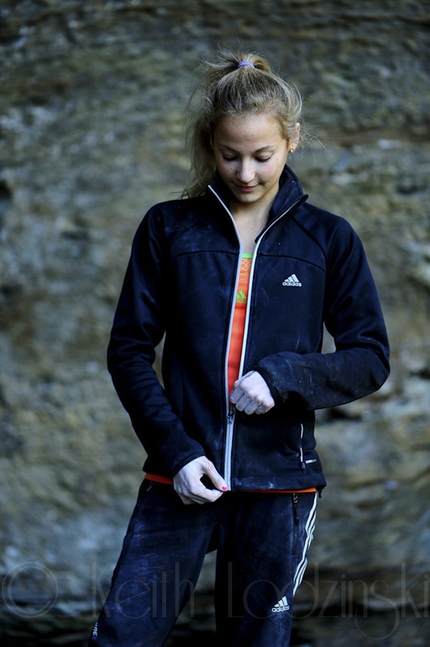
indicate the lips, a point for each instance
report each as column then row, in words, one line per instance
column 245, row 188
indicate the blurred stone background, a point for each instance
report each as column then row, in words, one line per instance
column 92, row 97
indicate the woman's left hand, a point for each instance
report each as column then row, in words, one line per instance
column 251, row 394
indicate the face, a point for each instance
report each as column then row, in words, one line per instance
column 250, row 153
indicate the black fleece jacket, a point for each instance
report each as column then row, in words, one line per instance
column 309, row 270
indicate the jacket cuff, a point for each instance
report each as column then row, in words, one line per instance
column 184, row 460
column 266, row 374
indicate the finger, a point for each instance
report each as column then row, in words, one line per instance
column 235, row 395
column 188, row 498
column 251, row 407
column 244, row 396
column 239, row 391
column 185, row 500
column 250, row 402
column 215, row 477
column 242, row 400
column 257, row 407
column 202, row 494
column 198, row 494
column 211, row 497
column 261, row 409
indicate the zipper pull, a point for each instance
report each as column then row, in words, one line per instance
column 231, row 413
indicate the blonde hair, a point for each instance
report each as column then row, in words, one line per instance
column 228, row 89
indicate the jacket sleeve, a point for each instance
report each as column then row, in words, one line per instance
column 138, row 327
column 353, row 316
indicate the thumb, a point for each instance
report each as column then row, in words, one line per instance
column 215, row 477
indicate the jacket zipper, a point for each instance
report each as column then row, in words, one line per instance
column 230, row 408
column 229, row 445
column 231, row 415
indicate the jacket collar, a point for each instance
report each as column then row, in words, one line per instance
column 290, row 192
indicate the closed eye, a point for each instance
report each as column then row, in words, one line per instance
column 257, row 159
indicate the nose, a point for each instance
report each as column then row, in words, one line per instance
column 245, row 172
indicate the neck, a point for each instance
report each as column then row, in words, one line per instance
column 249, row 223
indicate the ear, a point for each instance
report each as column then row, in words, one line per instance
column 294, row 140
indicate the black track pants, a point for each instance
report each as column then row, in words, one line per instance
column 262, row 541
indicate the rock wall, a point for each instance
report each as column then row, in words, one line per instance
column 91, row 107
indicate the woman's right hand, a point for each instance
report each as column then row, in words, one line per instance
column 188, row 482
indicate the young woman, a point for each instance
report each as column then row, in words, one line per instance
column 240, row 277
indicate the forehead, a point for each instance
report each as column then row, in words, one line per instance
column 248, row 131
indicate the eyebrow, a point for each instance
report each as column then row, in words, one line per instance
column 259, row 150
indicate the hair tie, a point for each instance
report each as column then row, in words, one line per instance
column 243, row 63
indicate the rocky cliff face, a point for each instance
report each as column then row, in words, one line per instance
column 91, row 106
